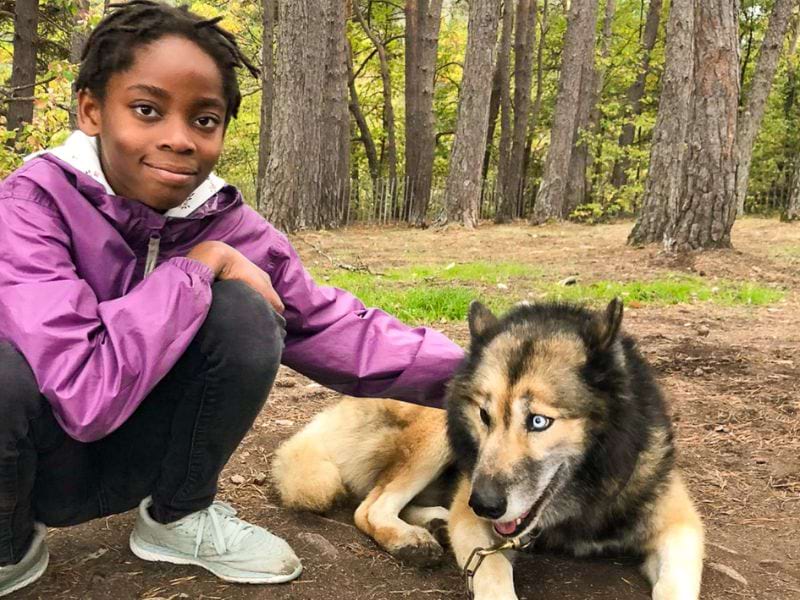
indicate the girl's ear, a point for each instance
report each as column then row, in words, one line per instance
column 88, row 113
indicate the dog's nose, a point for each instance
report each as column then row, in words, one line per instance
column 488, row 498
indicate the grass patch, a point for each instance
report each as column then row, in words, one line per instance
column 480, row 272
column 427, row 294
column 673, row 290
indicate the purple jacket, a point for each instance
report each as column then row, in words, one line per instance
column 99, row 335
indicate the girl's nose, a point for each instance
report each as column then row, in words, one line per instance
column 177, row 137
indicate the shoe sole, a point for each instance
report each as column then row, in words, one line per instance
column 151, row 553
column 40, row 568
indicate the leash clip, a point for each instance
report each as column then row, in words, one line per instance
column 478, row 554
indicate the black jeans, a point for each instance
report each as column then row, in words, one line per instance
column 173, row 447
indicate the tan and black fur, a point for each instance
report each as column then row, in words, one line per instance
column 556, row 427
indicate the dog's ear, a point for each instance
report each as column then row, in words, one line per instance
column 608, row 324
column 480, row 319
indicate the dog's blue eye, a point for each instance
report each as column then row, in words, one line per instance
column 538, row 422
column 485, row 417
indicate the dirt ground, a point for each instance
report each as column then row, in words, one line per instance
column 732, row 373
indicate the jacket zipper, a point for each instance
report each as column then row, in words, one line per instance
column 152, row 253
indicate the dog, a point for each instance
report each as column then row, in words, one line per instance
column 555, row 429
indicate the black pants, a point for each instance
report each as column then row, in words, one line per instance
column 173, row 447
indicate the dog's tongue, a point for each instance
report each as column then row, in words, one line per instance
column 506, row 528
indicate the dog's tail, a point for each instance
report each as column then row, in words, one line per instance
column 305, row 473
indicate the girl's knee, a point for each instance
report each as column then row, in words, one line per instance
column 245, row 328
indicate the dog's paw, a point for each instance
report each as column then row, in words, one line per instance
column 419, row 548
column 425, row 555
column 438, row 529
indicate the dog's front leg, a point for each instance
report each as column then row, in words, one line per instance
column 494, row 580
column 674, row 563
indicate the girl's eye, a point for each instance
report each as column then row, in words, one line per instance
column 538, row 422
column 485, row 417
column 144, row 110
column 207, row 122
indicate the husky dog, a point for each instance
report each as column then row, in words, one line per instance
column 557, row 430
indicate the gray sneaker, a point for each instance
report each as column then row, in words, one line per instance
column 217, row 540
column 30, row 568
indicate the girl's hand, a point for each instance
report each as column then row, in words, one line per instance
column 228, row 263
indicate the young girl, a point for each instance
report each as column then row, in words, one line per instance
column 144, row 310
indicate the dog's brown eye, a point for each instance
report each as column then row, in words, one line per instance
column 485, row 417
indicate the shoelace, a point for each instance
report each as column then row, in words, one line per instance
column 222, row 519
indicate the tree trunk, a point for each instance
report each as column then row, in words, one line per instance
column 595, row 120
column 388, row 107
column 756, row 101
column 498, row 87
column 361, row 122
column 335, row 153
column 503, row 67
column 591, row 85
column 23, row 70
column 707, row 208
column 536, row 109
column 423, row 18
column 294, row 172
column 267, row 95
column 668, row 149
column 524, row 42
column 551, row 199
column 793, row 210
column 76, row 42
column 463, row 188
column 636, row 92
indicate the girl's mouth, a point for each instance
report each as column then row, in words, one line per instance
column 175, row 176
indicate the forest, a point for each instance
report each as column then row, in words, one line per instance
column 682, row 113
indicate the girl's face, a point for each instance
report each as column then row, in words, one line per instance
column 161, row 123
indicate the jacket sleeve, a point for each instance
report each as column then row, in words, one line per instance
column 94, row 361
column 335, row 340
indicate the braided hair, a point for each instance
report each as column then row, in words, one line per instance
column 110, row 47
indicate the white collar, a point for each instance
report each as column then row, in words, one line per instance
column 80, row 152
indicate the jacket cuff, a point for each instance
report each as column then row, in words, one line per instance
column 193, row 267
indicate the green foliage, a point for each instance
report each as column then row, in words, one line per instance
column 592, row 213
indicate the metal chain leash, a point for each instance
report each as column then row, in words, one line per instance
column 478, row 554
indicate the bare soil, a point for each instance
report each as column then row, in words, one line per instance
column 732, row 374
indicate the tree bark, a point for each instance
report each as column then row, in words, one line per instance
column 423, row 18
column 267, row 95
column 756, row 100
column 23, row 70
column 388, row 107
column 668, row 149
column 294, row 170
column 335, row 152
column 551, row 199
column 707, row 207
column 524, row 42
column 463, row 188
column 635, row 93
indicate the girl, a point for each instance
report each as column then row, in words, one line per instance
column 144, row 310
